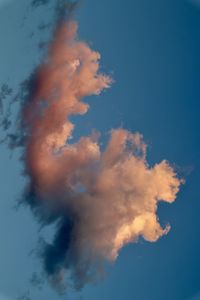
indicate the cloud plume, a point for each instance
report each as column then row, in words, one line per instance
column 99, row 199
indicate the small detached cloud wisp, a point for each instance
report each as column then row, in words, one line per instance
column 99, row 199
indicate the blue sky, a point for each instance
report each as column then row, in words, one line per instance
column 151, row 48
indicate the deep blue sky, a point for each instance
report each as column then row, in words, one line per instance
column 152, row 50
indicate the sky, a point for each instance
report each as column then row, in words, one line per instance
column 151, row 50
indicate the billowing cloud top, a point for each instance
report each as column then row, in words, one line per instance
column 100, row 199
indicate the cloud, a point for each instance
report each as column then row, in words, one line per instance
column 99, row 199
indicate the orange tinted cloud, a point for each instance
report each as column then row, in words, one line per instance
column 110, row 196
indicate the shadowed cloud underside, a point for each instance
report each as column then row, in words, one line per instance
column 100, row 199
